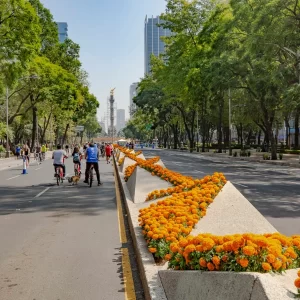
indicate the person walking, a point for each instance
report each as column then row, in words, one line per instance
column 107, row 153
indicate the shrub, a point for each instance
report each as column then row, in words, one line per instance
column 2, row 149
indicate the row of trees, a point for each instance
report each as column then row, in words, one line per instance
column 46, row 86
column 246, row 52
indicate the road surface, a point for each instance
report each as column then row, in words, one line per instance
column 60, row 242
column 273, row 190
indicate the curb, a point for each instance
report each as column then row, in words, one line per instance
column 152, row 290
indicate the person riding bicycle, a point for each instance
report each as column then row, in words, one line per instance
column 44, row 150
column 58, row 157
column 77, row 157
column 38, row 152
column 91, row 156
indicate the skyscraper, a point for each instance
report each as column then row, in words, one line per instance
column 62, row 31
column 152, row 39
column 132, row 94
column 120, row 119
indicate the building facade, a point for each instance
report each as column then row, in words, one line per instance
column 153, row 43
column 62, row 31
column 120, row 119
column 132, row 94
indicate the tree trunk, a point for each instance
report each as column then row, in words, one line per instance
column 297, row 130
column 46, row 124
column 65, row 134
column 34, row 124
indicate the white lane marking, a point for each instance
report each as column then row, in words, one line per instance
column 37, row 169
column 240, row 184
column 42, row 192
column 13, row 177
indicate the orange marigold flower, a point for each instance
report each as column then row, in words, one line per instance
column 210, row 266
column 277, row 265
column 297, row 283
column 244, row 262
column 271, row 258
column 152, row 250
column 190, row 248
column 266, row 266
column 168, row 257
column 224, row 258
column 216, row 260
column 249, row 250
column 298, row 273
column 202, row 262
column 183, row 243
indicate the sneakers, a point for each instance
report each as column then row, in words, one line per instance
column 85, row 181
column 99, row 183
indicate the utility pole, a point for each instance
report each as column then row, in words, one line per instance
column 229, row 109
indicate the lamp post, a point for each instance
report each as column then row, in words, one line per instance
column 229, row 109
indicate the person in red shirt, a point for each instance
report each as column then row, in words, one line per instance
column 107, row 153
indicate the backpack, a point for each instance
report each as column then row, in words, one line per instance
column 76, row 157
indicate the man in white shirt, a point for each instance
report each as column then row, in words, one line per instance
column 58, row 157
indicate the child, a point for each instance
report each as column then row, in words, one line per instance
column 76, row 158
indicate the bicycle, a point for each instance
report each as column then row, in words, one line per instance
column 43, row 157
column 77, row 170
column 37, row 157
column 59, row 175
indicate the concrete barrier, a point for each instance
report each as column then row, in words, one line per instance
column 160, row 163
column 141, row 183
column 232, row 213
column 197, row 285
column 127, row 162
column 148, row 270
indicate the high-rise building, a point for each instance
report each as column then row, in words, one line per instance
column 62, row 31
column 132, row 94
column 120, row 119
column 152, row 39
column 102, row 124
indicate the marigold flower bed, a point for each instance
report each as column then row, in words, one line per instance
column 170, row 219
column 240, row 252
column 167, row 224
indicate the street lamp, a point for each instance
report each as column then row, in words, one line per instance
column 7, row 98
column 229, row 106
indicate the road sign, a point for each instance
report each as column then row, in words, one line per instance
column 79, row 128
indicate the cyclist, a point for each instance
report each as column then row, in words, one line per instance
column 67, row 149
column 44, row 150
column 91, row 156
column 38, row 153
column 77, row 158
column 58, row 157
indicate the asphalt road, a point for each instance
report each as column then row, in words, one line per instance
column 273, row 190
column 59, row 242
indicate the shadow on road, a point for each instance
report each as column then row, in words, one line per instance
column 79, row 199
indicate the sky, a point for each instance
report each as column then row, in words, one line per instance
column 111, row 38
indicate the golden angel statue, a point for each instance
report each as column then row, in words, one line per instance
column 112, row 91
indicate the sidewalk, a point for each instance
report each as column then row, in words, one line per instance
column 12, row 162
